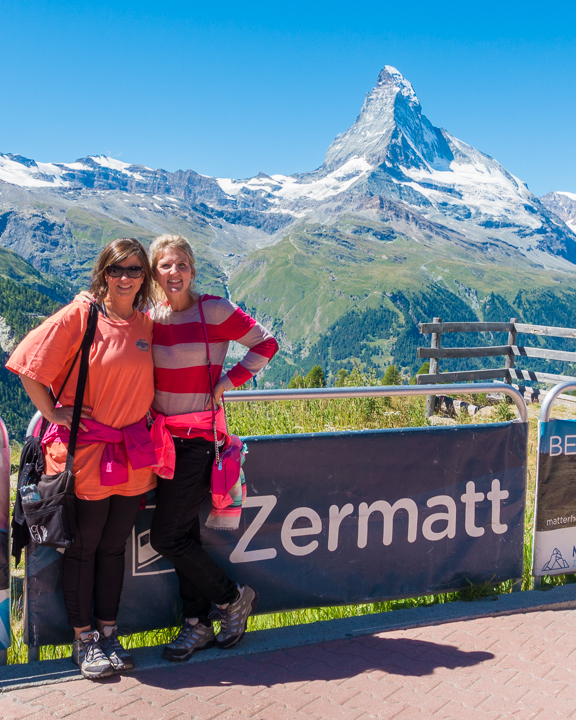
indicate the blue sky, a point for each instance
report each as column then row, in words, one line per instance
column 231, row 89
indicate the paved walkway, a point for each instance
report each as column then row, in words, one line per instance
column 515, row 666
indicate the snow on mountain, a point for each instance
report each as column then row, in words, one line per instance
column 474, row 188
column 17, row 170
column 111, row 163
column 289, row 188
column 21, row 171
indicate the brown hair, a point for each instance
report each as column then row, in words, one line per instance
column 115, row 252
column 157, row 248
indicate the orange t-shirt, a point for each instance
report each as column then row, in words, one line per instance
column 119, row 389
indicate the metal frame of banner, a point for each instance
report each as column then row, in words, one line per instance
column 5, row 500
column 383, row 391
column 342, row 393
column 551, row 396
column 371, row 391
column 545, row 411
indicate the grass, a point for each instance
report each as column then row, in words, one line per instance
column 319, row 416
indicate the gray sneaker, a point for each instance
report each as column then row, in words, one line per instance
column 192, row 637
column 89, row 656
column 119, row 657
column 234, row 616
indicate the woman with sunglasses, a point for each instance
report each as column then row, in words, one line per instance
column 184, row 397
column 119, row 391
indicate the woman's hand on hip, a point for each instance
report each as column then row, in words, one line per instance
column 218, row 392
column 63, row 416
column 38, row 393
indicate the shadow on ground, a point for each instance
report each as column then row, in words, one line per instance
column 335, row 660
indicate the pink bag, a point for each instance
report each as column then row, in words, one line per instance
column 226, row 472
column 227, row 464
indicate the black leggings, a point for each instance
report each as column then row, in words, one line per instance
column 93, row 567
column 175, row 531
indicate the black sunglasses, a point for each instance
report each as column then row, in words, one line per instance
column 116, row 271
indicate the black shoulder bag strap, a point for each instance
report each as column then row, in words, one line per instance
column 205, row 330
column 93, row 313
column 81, row 387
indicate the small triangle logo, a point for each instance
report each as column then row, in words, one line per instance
column 556, row 562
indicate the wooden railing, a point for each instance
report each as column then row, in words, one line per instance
column 509, row 352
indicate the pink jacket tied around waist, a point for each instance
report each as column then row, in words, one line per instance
column 164, row 442
column 132, row 443
column 227, row 480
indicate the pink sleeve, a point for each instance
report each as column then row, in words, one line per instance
column 260, row 343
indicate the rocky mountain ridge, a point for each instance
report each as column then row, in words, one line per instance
column 392, row 151
column 562, row 204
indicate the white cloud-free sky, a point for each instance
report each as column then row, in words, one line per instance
column 231, row 89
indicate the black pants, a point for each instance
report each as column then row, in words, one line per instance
column 93, row 567
column 175, row 531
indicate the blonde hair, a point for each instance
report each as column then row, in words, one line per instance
column 158, row 247
column 115, row 252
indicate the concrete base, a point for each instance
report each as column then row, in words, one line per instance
column 562, row 597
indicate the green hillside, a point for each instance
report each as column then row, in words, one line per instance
column 91, row 232
column 15, row 268
column 22, row 309
column 355, row 292
column 335, row 295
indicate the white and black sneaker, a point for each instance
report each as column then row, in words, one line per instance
column 193, row 636
column 89, row 656
column 234, row 616
column 119, row 657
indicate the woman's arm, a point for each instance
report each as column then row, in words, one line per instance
column 43, row 402
column 260, row 343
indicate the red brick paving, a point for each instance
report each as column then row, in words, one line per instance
column 520, row 667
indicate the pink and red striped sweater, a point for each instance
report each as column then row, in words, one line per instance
column 181, row 377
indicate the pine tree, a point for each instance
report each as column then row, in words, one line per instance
column 392, row 376
column 315, row 378
column 424, row 370
column 296, row 381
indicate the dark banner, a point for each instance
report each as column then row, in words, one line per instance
column 339, row 518
column 555, row 518
column 4, row 538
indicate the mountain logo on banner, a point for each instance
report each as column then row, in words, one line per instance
column 556, row 562
column 145, row 560
column 145, row 553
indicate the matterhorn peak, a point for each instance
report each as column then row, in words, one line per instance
column 389, row 77
column 391, row 130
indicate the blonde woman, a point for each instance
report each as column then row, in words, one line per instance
column 119, row 390
column 183, row 389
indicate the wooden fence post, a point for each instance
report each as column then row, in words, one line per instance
column 434, row 363
column 512, row 340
